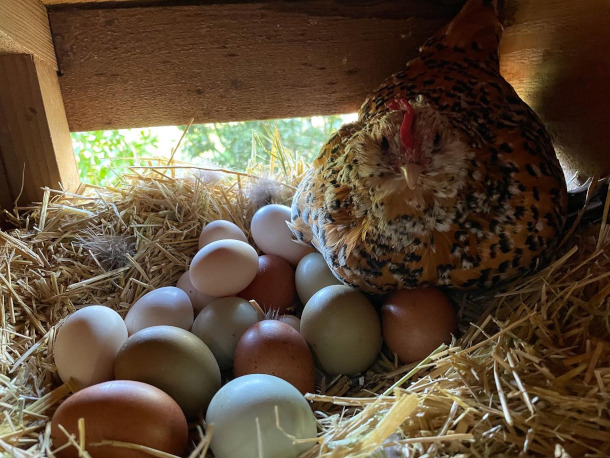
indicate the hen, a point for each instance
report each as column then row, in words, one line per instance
column 447, row 177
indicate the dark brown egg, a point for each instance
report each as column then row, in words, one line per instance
column 273, row 287
column 416, row 322
column 275, row 348
column 123, row 411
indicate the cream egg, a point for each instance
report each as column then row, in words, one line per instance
column 168, row 305
column 223, row 268
column 198, row 299
column 86, row 345
column 220, row 229
column 271, row 233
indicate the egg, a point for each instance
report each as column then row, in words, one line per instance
column 416, row 322
column 312, row 275
column 221, row 324
column 273, row 286
column 291, row 320
column 276, row 348
column 220, row 230
column 198, row 299
column 168, row 305
column 223, row 268
column 246, row 412
column 123, row 411
column 342, row 328
column 173, row 360
column 272, row 235
column 86, row 345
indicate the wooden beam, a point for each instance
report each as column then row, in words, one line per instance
column 555, row 54
column 24, row 29
column 129, row 67
column 35, row 144
column 6, row 201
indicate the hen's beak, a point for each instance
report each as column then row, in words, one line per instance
column 411, row 173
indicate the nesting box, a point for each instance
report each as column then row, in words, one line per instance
column 531, row 377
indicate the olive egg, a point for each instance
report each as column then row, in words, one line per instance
column 342, row 328
column 221, row 324
column 174, row 360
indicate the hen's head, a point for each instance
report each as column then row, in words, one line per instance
column 413, row 147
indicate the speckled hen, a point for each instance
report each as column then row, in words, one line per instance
column 447, row 177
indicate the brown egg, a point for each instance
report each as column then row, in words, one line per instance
column 273, row 287
column 416, row 322
column 124, row 411
column 275, row 348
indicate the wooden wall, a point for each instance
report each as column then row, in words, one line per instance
column 35, row 145
column 256, row 60
column 556, row 53
column 237, row 61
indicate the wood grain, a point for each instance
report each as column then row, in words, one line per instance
column 35, row 145
column 24, row 28
column 127, row 67
column 6, row 196
column 555, row 53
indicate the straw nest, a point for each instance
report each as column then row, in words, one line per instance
column 529, row 373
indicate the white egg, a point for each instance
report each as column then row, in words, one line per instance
column 168, row 305
column 220, row 230
column 313, row 274
column 198, row 299
column 87, row 344
column 243, row 413
column 221, row 324
column 272, row 235
column 223, row 268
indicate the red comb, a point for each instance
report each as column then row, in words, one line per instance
column 406, row 134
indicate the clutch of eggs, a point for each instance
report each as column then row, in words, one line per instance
column 339, row 331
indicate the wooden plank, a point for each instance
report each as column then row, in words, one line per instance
column 35, row 145
column 24, row 28
column 127, row 67
column 555, row 54
column 111, row 3
column 6, row 200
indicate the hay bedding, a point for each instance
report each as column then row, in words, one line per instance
column 528, row 375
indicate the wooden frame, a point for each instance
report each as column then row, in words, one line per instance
column 146, row 62
column 35, row 145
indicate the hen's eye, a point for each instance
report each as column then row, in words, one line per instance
column 385, row 144
column 437, row 139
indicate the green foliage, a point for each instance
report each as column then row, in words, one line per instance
column 233, row 144
column 105, row 155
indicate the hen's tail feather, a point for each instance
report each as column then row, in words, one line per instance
column 476, row 30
